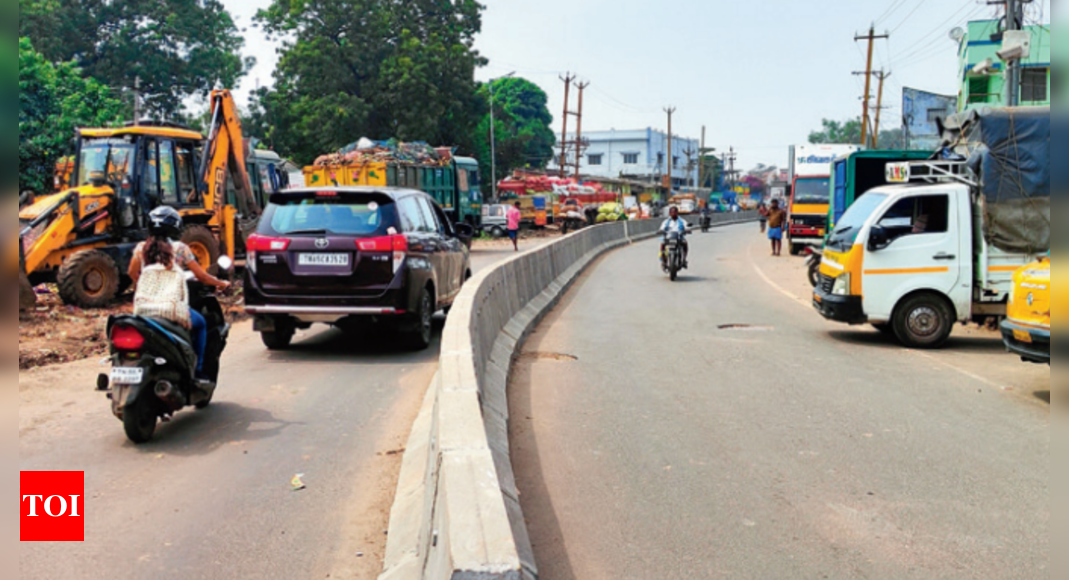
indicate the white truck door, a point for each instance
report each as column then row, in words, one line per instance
column 922, row 251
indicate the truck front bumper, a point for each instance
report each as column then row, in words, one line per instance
column 847, row 309
column 1030, row 343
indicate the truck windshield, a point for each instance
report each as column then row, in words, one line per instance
column 853, row 220
column 812, row 191
column 115, row 157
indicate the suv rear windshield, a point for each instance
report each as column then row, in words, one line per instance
column 334, row 213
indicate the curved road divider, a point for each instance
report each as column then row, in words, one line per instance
column 456, row 514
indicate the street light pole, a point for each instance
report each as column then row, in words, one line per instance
column 493, row 136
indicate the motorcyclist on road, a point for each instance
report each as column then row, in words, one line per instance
column 161, row 249
column 674, row 223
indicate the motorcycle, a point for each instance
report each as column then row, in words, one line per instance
column 672, row 256
column 813, row 260
column 153, row 374
column 707, row 223
column 573, row 221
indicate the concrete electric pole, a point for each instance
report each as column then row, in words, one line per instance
column 872, row 38
column 667, row 180
column 567, row 78
column 879, row 108
column 579, row 130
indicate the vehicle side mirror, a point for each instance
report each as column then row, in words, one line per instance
column 878, row 239
column 464, row 231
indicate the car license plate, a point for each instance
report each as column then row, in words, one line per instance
column 1022, row 336
column 127, row 375
column 333, row 260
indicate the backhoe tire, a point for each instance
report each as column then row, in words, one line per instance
column 88, row 279
column 27, row 297
column 204, row 245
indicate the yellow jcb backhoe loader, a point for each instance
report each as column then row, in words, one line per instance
column 83, row 238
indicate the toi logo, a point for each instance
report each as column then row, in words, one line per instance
column 52, row 506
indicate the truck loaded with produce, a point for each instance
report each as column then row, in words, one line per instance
column 944, row 245
column 83, row 238
column 452, row 181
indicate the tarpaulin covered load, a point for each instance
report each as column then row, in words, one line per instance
column 1009, row 149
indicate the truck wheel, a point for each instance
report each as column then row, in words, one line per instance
column 204, row 245
column 497, row 232
column 27, row 297
column 88, row 279
column 924, row 321
column 795, row 249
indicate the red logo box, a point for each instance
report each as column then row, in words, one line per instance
column 53, row 506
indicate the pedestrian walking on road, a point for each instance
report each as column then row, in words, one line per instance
column 514, row 217
column 777, row 220
column 762, row 212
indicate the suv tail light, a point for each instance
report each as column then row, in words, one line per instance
column 127, row 339
column 384, row 244
column 397, row 244
column 257, row 244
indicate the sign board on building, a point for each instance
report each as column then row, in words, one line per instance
column 816, row 160
column 920, row 112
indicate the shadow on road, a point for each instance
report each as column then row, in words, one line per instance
column 373, row 344
column 1043, row 396
column 873, row 338
column 193, row 433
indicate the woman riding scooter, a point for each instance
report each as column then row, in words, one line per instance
column 162, row 252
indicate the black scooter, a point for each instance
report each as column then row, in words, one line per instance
column 153, row 374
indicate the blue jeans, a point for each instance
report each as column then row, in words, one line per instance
column 199, row 333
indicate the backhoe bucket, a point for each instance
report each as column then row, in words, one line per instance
column 27, row 297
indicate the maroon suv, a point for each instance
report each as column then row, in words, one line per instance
column 342, row 255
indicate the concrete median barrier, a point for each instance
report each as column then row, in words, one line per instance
column 456, row 514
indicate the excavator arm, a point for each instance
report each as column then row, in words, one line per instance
column 224, row 157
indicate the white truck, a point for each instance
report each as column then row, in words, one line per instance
column 810, row 174
column 912, row 259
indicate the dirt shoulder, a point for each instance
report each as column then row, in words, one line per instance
column 54, row 333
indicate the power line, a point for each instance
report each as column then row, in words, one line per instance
column 890, row 10
column 910, row 15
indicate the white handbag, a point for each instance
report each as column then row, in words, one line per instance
column 162, row 293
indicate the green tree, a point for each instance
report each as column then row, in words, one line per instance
column 849, row 132
column 53, row 101
column 177, row 48
column 522, row 127
column 375, row 68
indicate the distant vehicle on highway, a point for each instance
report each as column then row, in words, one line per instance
column 494, row 220
column 342, row 255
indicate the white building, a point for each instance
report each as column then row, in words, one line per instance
column 640, row 154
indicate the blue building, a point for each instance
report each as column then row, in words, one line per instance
column 641, row 155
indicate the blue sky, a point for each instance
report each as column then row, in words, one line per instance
column 760, row 74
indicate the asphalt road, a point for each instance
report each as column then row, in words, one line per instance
column 210, row 498
column 650, row 443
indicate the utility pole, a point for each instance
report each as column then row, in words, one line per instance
column 879, row 108
column 1014, row 19
column 667, row 180
column 579, row 130
column 137, row 101
column 872, row 38
column 701, row 161
column 567, row 78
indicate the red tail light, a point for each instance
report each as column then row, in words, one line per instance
column 383, row 244
column 258, row 243
column 127, row 339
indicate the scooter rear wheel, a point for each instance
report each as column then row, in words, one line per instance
column 139, row 422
